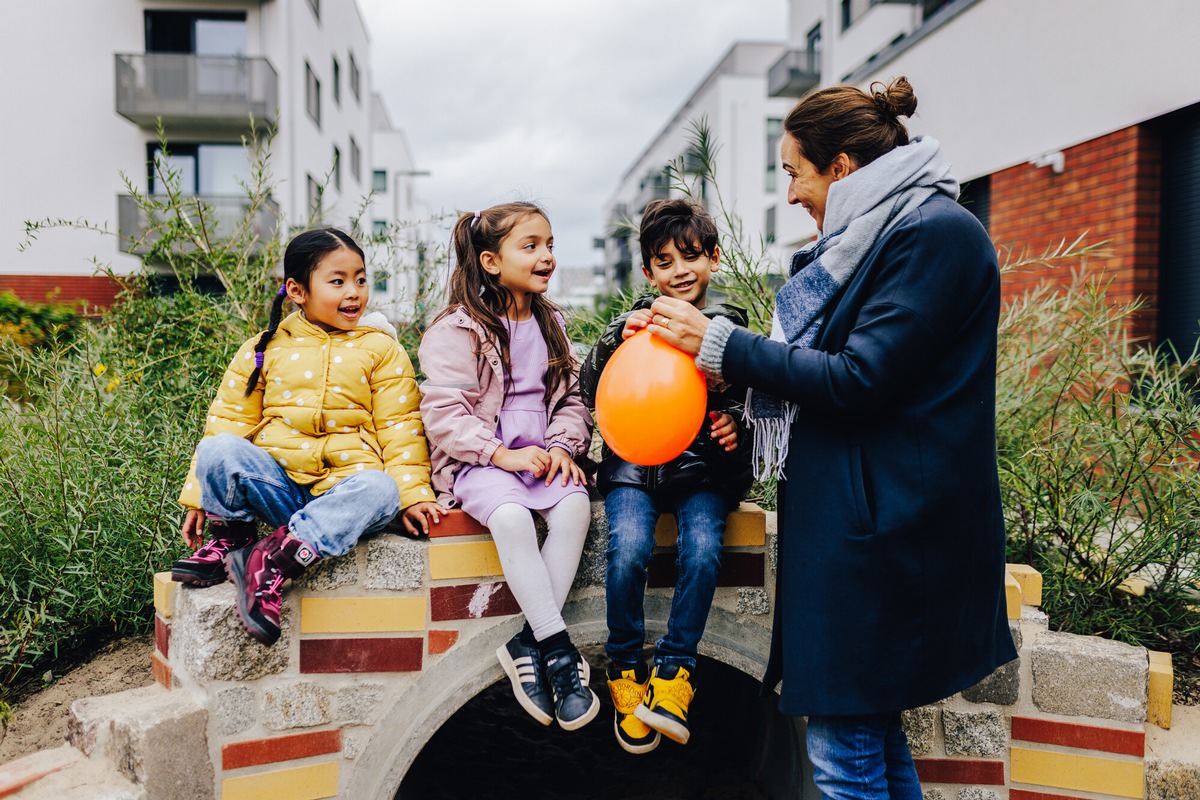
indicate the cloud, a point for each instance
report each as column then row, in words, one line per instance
column 550, row 101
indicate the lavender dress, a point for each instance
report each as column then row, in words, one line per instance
column 482, row 489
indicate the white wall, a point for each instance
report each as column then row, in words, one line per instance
column 1009, row 79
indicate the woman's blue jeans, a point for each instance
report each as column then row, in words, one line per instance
column 862, row 758
column 632, row 517
column 241, row 481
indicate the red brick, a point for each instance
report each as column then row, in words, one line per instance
column 160, row 669
column 1086, row 737
column 440, row 641
column 959, row 770
column 76, row 290
column 737, row 569
column 471, row 601
column 280, row 748
column 457, row 523
column 1025, row 794
column 162, row 636
column 401, row 654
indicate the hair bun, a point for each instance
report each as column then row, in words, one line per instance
column 895, row 98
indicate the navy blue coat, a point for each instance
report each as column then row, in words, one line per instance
column 890, row 588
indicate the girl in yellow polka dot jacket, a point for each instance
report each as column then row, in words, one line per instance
column 315, row 430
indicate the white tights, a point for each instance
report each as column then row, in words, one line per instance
column 540, row 579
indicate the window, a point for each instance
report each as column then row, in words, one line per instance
column 813, row 38
column 337, row 82
column 355, row 79
column 315, row 5
column 314, row 198
column 381, row 282
column 355, row 160
column 379, row 181
column 204, row 169
column 769, row 226
column 379, row 227
column 312, row 94
column 774, row 135
column 845, row 13
column 211, row 33
column 337, row 168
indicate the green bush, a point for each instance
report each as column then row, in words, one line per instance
column 34, row 327
column 1098, row 458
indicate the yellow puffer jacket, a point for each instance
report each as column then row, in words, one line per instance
column 327, row 405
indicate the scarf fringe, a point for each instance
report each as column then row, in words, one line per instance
column 770, row 448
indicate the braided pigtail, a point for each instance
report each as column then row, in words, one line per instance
column 261, row 346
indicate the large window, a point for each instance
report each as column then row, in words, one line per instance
column 312, row 94
column 210, row 33
column 355, row 79
column 774, row 135
column 379, row 181
column 204, row 169
column 355, row 160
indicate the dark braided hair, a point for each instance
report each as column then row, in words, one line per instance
column 486, row 301
column 303, row 254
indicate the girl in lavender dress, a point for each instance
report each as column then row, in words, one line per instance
column 504, row 419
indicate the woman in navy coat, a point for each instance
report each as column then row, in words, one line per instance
column 874, row 402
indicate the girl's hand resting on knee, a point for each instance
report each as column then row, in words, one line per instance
column 418, row 517
column 561, row 461
column 193, row 528
column 531, row 459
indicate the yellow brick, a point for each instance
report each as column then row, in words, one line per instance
column 1030, row 580
column 299, row 783
column 746, row 527
column 1162, row 687
column 1082, row 773
column 464, row 560
column 1012, row 596
column 164, row 593
column 361, row 614
column 1134, row 587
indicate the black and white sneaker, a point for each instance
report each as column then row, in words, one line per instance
column 523, row 665
column 575, row 704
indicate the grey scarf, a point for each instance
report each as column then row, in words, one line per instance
column 859, row 210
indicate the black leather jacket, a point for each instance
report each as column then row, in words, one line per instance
column 704, row 464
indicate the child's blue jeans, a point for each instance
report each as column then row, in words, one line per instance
column 632, row 517
column 241, row 481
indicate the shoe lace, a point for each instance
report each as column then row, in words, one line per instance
column 565, row 680
column 274, row 585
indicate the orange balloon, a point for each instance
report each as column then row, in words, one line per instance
column 650, row 401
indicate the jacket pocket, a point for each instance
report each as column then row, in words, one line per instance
column 861, row 490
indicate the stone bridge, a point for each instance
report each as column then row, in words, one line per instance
column 380, row 647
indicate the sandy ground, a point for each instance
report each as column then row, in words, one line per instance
column 40, row 720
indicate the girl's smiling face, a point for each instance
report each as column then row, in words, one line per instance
column 337, row 291
column 525, row 260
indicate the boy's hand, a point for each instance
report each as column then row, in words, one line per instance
column 636, row 321
column 724, row 430
column 532, row 459
column 561, row 461
column 193, row 528
column 418, row 517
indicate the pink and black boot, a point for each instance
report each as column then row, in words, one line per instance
column 206, row 566
column 258, row 574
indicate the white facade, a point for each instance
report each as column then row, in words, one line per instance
column 732, row 99
column 66, row 146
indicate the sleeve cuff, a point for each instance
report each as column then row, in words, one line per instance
column 712, row 348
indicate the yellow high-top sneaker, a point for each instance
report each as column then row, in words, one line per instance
column 665, row 708
column 627, row 688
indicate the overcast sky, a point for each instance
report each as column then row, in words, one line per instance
column 548, row 100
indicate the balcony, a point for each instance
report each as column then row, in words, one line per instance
column 222, row 214
column 210, row 93
column 653, row 187
column 795, row 74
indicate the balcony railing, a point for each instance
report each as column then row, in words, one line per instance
column 210, row 92
column 794, row 74
column 221, row 215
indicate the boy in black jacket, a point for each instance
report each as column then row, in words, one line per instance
column 700, row 487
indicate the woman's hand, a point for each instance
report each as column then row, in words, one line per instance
column 531, row 459
column 561, row 461
column 193, row 528
column 679, row 324
column 724, row 430
column 418, row 517
column 636, row 321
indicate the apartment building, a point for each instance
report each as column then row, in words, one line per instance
column 96, row 77
column 1060, row 118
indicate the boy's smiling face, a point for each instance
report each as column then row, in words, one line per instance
column 684, row 276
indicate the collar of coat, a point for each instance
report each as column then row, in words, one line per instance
column 734, row 314
column 297, row 324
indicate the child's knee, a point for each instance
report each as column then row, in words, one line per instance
column 218, row 449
